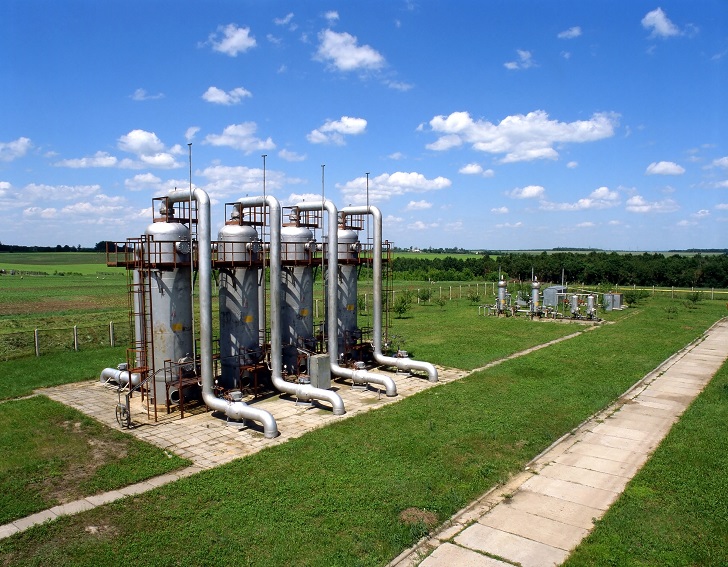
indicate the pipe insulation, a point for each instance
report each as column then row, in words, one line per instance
column 121, row 377
column 357, row 376
column 233, row 410
column 400, row 363
column 301, row 391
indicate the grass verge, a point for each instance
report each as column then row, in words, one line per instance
column 347, row 494
column 675, row 510
column 20, row 377
column 53, row 454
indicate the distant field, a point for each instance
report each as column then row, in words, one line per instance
column 433, row 255
column 87, row 263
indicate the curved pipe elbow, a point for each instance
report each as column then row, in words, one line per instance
column 241, row 410
column 307, row 392
column 364, row 377
column 408, row 364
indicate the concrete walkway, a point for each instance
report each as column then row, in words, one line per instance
column 544, row 512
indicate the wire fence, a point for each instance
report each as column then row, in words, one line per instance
column 88, row 337
column 76, row 338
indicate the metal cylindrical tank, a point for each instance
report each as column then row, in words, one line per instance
column 535, row 304
column 346, row 300
column 170, row 296
column 297, row 245
column 501, row 303
column 590, row 306
column 574, row 305
column 238, row 300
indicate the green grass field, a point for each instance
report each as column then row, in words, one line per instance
column 335, row 496
column 53, row 454
column 340, row 495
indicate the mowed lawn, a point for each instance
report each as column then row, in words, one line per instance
column 360, row 491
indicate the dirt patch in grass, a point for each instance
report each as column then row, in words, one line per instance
column 414, row 515
column 70, row 485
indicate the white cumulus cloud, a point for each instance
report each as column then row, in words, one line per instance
column 638, row 204
column 142, row 94
column 528, row 192
column 231, row 40
column 519, row 137
column 99, row 159
column 288, row 155
column 342, row 52
column 476, row 169
column 10, row 151
column 219, row 96
column 418, row 205
column 524, row 61
column 659, row 24
column 240, row 137
column 601, row 198
column 385, row 186
column 571, row 33
column 500, row 210
column 664, row 168
column 333, row 131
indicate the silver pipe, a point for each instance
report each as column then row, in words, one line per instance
column 401, row 363
column 301, row 391
column 356, row 376
column 121, row 377
column 234, row 410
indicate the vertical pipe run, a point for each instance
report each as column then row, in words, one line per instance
column 332, row 267
column 234, row 410
column 301, row 391
column 401, row 363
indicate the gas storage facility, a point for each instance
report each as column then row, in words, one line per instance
column 265, row 267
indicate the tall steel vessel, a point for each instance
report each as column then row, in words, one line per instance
column 167, row 253
column 348, row 332
column 297, row 332
column 238, row 253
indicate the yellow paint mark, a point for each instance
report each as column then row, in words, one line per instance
column 248, row 319
column 350, row 307
column 304, row 312
column 177, row 327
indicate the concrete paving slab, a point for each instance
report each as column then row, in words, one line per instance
column 39, row 518
column 586, row 477
column 450, row 555
column 554, row 508
column 105, row 497
column 513, row 548
column 7, row 530
column 609, row 453
column 571, row 491
column 608, row 466
column 534, row 527
column 633, row 445
column 74, row 507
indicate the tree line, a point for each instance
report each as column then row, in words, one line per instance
column 707, row 271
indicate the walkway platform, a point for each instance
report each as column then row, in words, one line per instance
column 544, row 512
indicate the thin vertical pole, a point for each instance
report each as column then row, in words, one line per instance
column 112, row 342
column 37, row 342
column 263, row 298
column 192, row 261
column 75, row 338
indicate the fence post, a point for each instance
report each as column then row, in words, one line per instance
column 418, row 296
column 461, row 291
column 450, row 293
column 75, row 337
column 112, row 342
column 37, row 344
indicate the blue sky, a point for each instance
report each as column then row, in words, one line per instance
column 496, row 125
